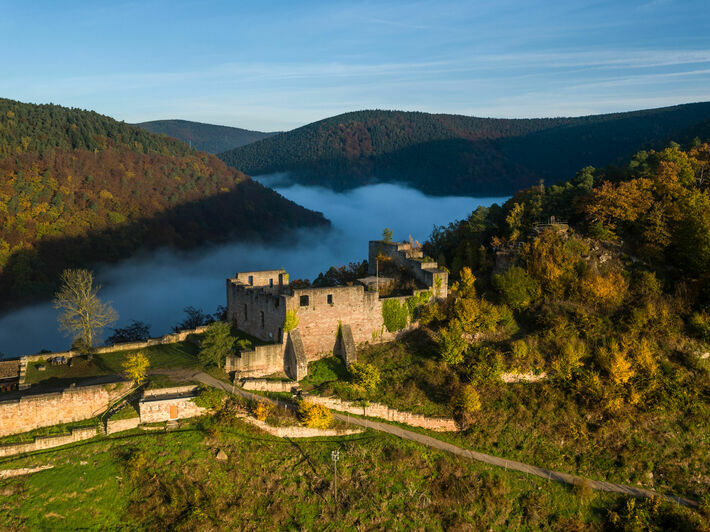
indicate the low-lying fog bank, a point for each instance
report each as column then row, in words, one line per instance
column 155, row 287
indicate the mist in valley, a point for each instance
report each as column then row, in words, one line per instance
column 155, row 287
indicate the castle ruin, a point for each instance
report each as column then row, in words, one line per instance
column 331, row 320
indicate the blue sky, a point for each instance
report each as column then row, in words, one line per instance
column 278, row 65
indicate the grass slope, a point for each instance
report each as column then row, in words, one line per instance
column 157, row 480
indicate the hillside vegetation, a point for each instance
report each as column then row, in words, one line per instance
column 451, row 154
column 77, row 187
column 607, row 313
column 204, row 137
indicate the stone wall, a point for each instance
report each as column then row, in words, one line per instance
column 47, row 442
column 119, row 425
column 318, row 321
column 260, row 361
column 267, row 385
column 298, row 431
column 402, row 254
column 167, row 339
column 71, row 404
column 258, row 311
column 384, row 412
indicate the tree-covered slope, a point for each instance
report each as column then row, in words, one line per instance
column 205, row 137
column 77, row 187
column 451, row 154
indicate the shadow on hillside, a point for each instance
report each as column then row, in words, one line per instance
column 250, row 212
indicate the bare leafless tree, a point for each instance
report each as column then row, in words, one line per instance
column 83, row 314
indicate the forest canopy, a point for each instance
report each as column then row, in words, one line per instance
column 77, row 187
column 452, row 154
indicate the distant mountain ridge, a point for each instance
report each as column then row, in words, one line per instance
column 454, row 154
column 205, row 137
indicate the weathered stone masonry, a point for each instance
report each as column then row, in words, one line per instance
column 257, row 303
column 71, row 404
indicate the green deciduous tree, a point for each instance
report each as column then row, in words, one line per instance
column 216, row 344
column 517, row 288
column 82, row 313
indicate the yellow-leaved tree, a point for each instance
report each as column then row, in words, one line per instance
column 136, row 367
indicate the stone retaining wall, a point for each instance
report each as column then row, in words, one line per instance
column 47, row 442
column 72, row 404
column 266, row 385
column 298, row 431
column 384, row 412
column 523, row 377
column 167, row 339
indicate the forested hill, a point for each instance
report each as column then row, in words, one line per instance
column 77, row 187
column 205, row 137
column 452, row 154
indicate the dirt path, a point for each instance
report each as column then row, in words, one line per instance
column 448, row 447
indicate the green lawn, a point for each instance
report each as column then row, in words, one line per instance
column 178, row 355
column 160, row 481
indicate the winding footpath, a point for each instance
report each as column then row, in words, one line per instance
column 448, row 447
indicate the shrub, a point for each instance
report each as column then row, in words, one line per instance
column 699, row 324
column 452, row 344
column 468, row 399
column 517, row 288
column 209, row 398
column 465, row 403
column 365, row 375
column 291, row 321
column 414, row 304
column 394, row 315
column 262, row 410
column 314, row 415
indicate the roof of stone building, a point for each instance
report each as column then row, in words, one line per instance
column 9, row 369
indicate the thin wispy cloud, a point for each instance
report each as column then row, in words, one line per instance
column 282, row 65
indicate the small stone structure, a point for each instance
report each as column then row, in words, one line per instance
column 169, row 404
column 330, row 319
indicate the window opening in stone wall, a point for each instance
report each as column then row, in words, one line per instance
column 271, row 282
column 251, row 279
column 330, row 299
column 304, row 301
column 246, row 317
column 262, row 319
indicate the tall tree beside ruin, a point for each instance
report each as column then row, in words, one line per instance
column 83, row 314
column 216, row 344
